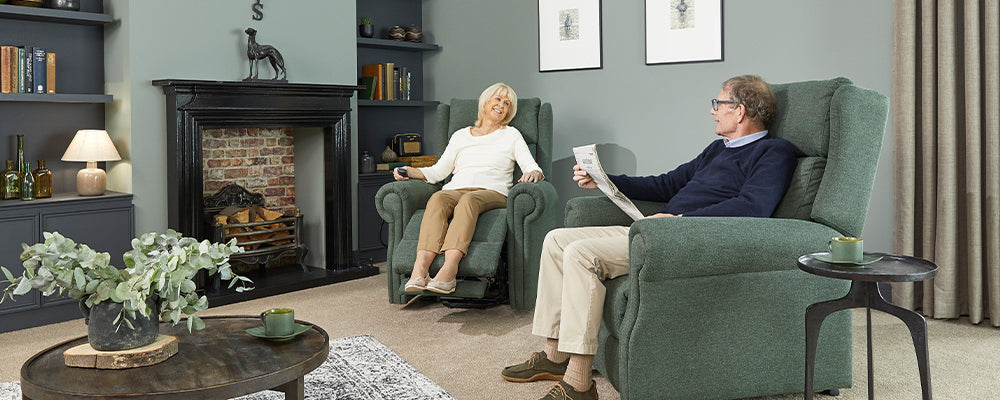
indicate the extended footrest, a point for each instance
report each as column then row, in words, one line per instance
column 464, row 288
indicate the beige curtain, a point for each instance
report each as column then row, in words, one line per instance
column 946, row 129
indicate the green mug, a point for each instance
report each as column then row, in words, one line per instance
column 847, row 249
column 278, row 321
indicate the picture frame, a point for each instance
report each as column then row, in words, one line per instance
column 569, row 35
column 683, row 31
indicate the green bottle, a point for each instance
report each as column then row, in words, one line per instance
column 11, row 182
column 27, row 183
column 43, row 180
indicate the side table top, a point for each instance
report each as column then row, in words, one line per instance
column 220, row 361
column 891, row 268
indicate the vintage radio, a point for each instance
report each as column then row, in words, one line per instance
column 407, row 144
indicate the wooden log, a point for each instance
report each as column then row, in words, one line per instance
column 86, row 357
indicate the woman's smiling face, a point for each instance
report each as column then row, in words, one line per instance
column 496, row 107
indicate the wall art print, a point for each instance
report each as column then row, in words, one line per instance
column 679, row 31
column 569, row 35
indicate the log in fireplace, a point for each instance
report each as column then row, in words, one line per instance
column 194, row 105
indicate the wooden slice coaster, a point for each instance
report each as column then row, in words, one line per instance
column 86, row 357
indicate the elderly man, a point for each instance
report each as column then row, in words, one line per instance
column 745, row 173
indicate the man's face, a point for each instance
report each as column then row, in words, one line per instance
column 726, row 117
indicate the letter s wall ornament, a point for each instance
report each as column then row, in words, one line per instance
column 258, row 10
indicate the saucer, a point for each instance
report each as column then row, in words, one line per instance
column 259, row 332
column 866, row 259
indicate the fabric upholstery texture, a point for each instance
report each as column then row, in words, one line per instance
column 512, row 235
column 714, row 308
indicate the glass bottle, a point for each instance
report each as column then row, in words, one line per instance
column 11, row 182
column 43, row 181
column 367, row 163
column 27, row 183
column 20, row 156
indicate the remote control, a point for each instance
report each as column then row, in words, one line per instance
column 402, row 172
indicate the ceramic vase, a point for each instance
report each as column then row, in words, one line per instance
column 105, row 336
column 414, row 34
column 397, row 33
column 366, row 30
column 388, row 155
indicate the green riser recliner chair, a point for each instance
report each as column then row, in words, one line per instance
column 502, row 262
column 714, row 308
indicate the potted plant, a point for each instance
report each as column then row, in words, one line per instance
column 366, row 29
column 123, row 306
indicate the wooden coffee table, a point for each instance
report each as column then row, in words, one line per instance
column 219, row 362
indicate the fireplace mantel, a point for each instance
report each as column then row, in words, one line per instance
column 194, row 105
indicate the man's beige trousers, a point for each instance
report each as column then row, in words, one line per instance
column 570, row 293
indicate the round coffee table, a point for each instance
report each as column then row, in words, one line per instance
column 865, row 293
column 219, row 362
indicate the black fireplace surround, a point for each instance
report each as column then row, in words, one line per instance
column 194, row 105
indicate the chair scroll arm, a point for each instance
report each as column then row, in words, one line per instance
column 684, row 247
column 531, row 213
column 600, row 211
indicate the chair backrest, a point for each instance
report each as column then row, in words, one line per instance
column 837, row 131
column 533, row 119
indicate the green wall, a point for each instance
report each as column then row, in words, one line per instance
column 651, row 118
column 199, row 39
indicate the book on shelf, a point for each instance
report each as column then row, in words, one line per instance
column 368, row 93
column 22, row 80
column 50, row 72
column 419, row 161
column 374, row 71
column 29, row 70
column 38, row 68
column 390, row 166
column 387, row 78
column 6, row 77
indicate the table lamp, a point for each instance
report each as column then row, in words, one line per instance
column 91, row 145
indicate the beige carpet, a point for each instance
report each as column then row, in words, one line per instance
column 464, row 350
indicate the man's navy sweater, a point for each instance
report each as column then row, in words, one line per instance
column 746, row 181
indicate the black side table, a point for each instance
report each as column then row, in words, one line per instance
column 865, row 293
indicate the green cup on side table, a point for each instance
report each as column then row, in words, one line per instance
column 278, row 321
column 847, row 249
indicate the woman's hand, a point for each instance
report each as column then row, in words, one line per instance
column 533, row 176
column 583, row 179
column 405, row 173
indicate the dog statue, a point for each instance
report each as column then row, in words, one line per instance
column 256, row 51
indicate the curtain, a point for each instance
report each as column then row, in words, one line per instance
column 946, row 132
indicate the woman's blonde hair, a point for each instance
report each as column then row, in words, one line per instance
column 503, row 90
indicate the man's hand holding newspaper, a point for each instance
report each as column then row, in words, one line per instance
column 586, row 158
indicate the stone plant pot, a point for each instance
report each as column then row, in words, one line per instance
column 366, row 30
column 102, row 332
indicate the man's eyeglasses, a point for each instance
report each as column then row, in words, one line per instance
column 716, row 102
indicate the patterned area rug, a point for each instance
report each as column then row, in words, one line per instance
column 358, row 368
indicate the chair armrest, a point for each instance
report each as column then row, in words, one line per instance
column 531, row 214
column 601, row 211
column 397, row 201
column 674, row 248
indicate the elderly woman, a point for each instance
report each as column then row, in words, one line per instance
column 480, row 158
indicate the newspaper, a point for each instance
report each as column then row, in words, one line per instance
column 586, row 158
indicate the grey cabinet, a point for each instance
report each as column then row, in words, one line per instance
column 105, row 223
column 372, row 234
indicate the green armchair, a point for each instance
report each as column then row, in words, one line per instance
column 714, row 308
column 502, row 262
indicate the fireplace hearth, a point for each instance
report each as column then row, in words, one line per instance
column 195, row 105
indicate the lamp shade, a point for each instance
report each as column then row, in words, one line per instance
column 91, row 145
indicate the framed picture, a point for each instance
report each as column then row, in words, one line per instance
column 679, row 31
column 569, row 35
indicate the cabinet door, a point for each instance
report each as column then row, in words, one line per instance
column 17, row 230
column 371, row 233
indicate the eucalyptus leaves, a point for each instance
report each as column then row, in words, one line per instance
column 161, row 265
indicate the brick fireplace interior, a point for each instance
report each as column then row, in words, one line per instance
column 244, row 133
